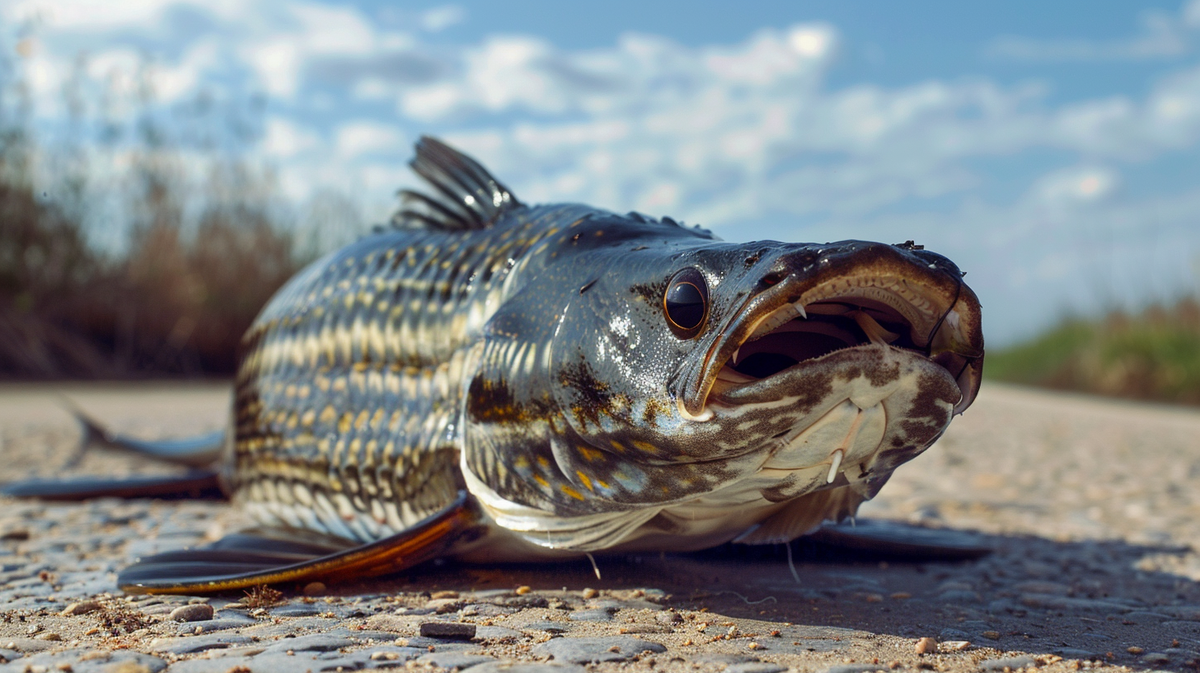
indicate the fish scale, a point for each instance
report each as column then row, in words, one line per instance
column 379, row 330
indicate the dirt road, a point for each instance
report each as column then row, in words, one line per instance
column 1092, row 507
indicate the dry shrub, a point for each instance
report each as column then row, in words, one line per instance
column 1153, row 354
column 178, row 300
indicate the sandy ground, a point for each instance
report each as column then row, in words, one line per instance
column 1092, row 507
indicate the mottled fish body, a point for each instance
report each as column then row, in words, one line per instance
column 593, row 381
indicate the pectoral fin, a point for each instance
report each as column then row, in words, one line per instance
column 892, row 539
column 245, row 560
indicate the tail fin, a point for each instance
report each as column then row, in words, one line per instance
column 199, row 451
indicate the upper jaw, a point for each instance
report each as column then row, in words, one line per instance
column 927, row 313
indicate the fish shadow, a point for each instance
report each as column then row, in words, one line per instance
column 1103, row 600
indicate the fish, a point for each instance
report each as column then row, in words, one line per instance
column 495, row 381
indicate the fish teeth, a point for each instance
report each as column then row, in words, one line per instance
column 835, row 463
column 874, row 331
column 734, row 358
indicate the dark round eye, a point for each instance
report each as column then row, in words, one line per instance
column 686, row 302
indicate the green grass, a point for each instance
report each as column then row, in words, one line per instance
column 1150, row 355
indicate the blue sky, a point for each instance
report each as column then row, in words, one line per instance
column 1051, row 149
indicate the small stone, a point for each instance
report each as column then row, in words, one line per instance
column 15, row 534
column 313, row 642
column 1134, row 650
column 590, row 593
column 596, row 615
column 926, row 646
column 196, row 612
column 901, row 596
column 1155, row 658
column 1009, row 663
column 448, row 630
column 315, row 589
column 954, row 645
column 991, row 635
column 81, row 608
column 50, row 636
column 589, row 650
column 668, row 618
column 524, row 589
column 437, row 595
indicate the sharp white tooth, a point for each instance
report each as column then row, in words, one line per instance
column 734, row 358
column 836, row 462
column 800, row 309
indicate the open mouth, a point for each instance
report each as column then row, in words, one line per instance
column 832, row 319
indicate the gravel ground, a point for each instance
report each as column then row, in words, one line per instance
column 1092, row 507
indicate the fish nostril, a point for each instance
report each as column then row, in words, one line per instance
column 772, row 278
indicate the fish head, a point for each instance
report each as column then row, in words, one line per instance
column 827, row 364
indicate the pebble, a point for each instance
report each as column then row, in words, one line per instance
column 447, row 630
column 596, row 650
column 497, row 633
column 1145, row 617
column 1011, row 663
column 82, row 608
column 314, row 589
column 198, row 612
column 298, row 610
column 221, row 624
column 925, row 646
column 88, row 660
column 594, row 615
column 668, row 617
column 590, row 593
column 1155, row 658
column 201, row 643
column 316, row 642
column 954, row 645
column 1076, row 653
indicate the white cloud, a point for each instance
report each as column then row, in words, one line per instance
column 1083, row 184
column 367, row 137
column 285, row 139
column 440, row 18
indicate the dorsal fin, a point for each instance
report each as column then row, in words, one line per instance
column 469, row 197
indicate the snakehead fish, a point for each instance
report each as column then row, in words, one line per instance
column 499, row 381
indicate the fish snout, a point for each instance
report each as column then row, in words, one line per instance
column 815, row 300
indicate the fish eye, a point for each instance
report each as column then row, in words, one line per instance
column 686, row 302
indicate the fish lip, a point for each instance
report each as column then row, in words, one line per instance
column 943, row 314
